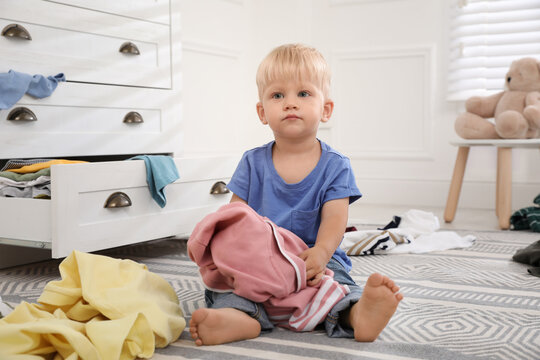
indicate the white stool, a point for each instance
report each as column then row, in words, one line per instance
column 503, row 193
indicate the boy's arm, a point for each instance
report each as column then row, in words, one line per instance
column 334, row 218
column 236, row 198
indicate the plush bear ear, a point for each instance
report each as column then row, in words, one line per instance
column 530, row 68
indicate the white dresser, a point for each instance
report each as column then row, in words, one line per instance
column 122, row 98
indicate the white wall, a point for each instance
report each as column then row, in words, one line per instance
column 389, row 76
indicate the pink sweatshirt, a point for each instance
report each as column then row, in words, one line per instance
column 240, row 251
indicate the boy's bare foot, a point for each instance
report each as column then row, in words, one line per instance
column 219, row 326
column 371, row 313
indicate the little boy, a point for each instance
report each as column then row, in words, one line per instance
column 303, row 185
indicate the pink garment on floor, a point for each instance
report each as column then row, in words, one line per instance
column 240, row 251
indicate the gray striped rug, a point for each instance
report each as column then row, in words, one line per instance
column 473, row 303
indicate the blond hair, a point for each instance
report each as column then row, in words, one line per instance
column 294, row 61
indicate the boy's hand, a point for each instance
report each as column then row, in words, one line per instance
column 316, row 259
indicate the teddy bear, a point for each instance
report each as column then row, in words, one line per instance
column 516, row 110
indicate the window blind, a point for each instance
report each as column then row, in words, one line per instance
column 485, row 37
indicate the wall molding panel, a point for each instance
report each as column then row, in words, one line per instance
column 406, row 137
column 216, row 75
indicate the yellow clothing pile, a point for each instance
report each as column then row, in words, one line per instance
column 103, row 308
column 44, row 165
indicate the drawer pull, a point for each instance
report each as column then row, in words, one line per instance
column 219, row 188
column 129, row 48
column 16, row 31
column 133, row 117
column 117, row 200
column 21, row 114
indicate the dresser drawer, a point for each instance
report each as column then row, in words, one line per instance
column 80, row 120
column 85, row 44
column 75, row 217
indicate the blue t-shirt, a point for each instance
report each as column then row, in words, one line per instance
column 296, row 207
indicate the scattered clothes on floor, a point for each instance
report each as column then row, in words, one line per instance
column 14, row 84
column 396, row 220
column 436, row 241
column 416, row 222
column 102, row 308
column 527, row 218
column 530, row 255
column 415, row 231
column 160, row 172
column 371, row 242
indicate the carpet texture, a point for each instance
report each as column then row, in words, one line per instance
column 473, row 303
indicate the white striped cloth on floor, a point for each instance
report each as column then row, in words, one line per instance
column 357, row 243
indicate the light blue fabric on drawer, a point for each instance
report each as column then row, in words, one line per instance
column 13, row 85
column 160, row 171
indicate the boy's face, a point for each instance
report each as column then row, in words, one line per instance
column 293, row 108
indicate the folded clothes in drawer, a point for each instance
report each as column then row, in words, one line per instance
column 29, row 178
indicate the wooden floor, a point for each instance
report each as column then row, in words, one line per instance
column 466, row 219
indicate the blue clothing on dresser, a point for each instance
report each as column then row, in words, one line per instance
column 160, row 171
column 296, row 207
column 13, row 85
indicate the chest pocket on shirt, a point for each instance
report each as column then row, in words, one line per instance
column 304, row 225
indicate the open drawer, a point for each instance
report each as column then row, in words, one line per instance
column 76, row 217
